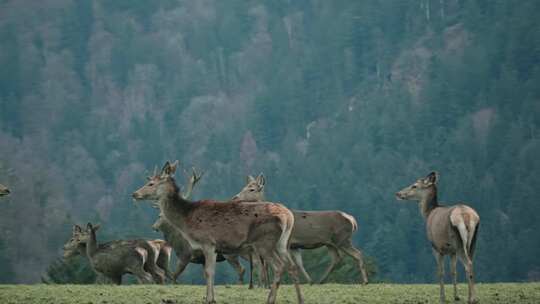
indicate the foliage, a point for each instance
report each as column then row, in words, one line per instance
column 346, row 102
column 73, row 271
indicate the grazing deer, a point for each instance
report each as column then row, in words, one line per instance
column 314, row 229
column 116, row 258
column 183, row 251
column 4, row 190
column 226, row 227
column 452, row 230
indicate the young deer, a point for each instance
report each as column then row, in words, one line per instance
column 116, row 258
column 226, row 227
column 4, row 190
column 452, row 230
column 314, row 229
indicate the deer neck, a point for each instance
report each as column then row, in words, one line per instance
column 91, row 245
column 174, row 207
column 429, row 203
column 82, row 249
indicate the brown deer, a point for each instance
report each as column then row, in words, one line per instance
column 452, row 230
column 314, row 229
column 116, row 258
column 185, row 254
column 226, row 227
column 4, row 190
column 183, row 251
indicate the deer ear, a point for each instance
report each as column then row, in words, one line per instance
column 261, row 180
column 89, row 226
column 432, row 178
column 165, row 169
column 173, row 167
column 250, row 179
column 77, row 228
column 96, row 227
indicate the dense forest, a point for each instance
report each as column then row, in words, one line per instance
column 339, row 103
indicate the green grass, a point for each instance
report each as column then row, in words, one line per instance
column 329, row 293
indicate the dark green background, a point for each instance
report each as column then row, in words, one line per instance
column 339, row 103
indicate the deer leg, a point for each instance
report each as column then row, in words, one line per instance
column 250, row 271
column 297, row 257
column 277, row 267
column 209, row 271
column 292, row 269
column 453, row 264
column 262, row 270
column 142, row 276
column 335, row 257
column 440, row 272
column 468, row 264
column 356, row 254
column 181, row 265
column 163, row 263
column 235, row 263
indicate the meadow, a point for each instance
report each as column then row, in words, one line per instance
column 236, row 294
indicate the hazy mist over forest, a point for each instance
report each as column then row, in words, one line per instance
column 339, row 103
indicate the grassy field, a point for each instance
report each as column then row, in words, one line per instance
column 330, row 293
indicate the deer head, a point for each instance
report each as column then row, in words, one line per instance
column 71, row 247
column 4, row 190
column 253, row 190
column 158, row 184
column 421, row 189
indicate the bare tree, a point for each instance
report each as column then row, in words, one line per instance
column 452, row 230
column 226, row 227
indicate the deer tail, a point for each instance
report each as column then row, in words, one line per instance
column 351, row 219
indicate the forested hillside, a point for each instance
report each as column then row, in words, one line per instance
column 339, row 103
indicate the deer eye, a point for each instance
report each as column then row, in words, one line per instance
column 413, row 186
column 251, row 190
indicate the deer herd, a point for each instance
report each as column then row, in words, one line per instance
column 266, row 234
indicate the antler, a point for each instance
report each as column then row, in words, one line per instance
column 194, row 178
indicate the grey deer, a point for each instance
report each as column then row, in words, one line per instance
column 314, row 229
column 452, row 230
column 4, row 190
column 226, row 227
column 114, row 259
column 183, row 251
column 159, row 249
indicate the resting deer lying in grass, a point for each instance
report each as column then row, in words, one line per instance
column 183, row 251
column 314, row 229
column 4, row 190
column 452, row 230
column 226, row 227
column 116, row 258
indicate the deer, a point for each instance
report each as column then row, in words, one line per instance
column 116, row 258
column 451, row 230
column 185, row 254
column 183, row 251
column 227, row 228
column 4, row 190
column 312, row 230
